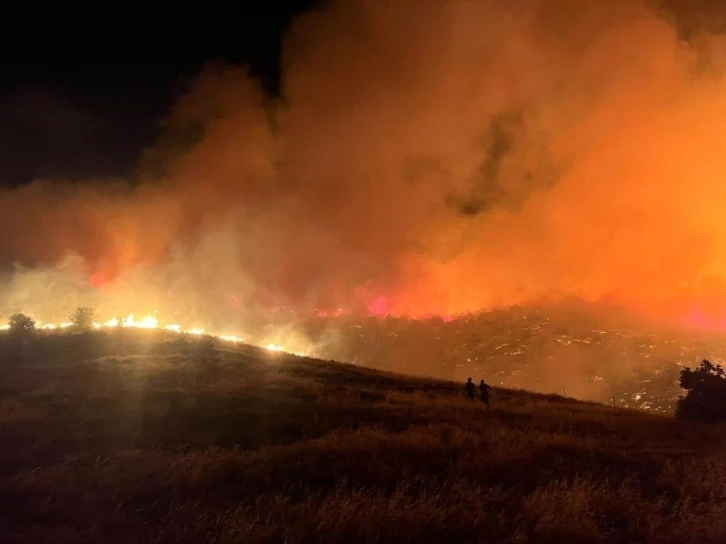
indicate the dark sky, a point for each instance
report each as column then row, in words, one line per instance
column 84, row 102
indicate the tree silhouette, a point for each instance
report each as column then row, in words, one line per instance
column 21, row 323
column 706, row 397
column 82, row 318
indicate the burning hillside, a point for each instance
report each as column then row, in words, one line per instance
column 550, row 350
column 150, row 322
column 423, row 158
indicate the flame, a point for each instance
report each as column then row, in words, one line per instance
column 152, row 322
column 230, row 338
column 379, row 307
column 149, row 322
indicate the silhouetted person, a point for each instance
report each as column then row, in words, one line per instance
column 470, row 389
column 484, row 392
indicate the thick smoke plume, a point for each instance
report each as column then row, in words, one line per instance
column 425, row 157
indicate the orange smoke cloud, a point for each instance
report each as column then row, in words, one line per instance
column 426, row 157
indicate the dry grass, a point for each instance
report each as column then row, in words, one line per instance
column 130, row 437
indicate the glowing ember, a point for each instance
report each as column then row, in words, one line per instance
column 230, row 338
column 327, row 313
column 274, row 347
column 173, row 328
column 195, row 331
column 4, row 327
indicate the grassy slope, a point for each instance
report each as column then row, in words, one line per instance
column 124, row 437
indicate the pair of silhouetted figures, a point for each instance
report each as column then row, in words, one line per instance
column 483, row 391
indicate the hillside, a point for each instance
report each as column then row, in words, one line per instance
column 587, row 352
column 137, row 436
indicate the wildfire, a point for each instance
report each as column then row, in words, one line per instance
column 152, row 322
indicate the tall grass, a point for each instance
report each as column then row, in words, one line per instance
column 135, row 438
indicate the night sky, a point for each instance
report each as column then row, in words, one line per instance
column 84, row 103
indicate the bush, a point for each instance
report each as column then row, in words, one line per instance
column 82, row 318
column 706, row 397
column 21, row 323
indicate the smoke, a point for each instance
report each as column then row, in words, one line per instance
column 424, row 158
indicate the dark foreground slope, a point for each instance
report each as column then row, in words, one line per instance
column 128, row 437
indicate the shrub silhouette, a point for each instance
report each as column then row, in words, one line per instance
column 21, row 323
column 82, row 318
column 706, row 397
